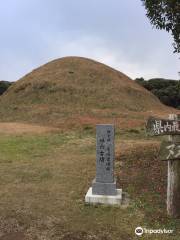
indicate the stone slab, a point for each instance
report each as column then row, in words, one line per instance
column 104, row 199
column 99, row 188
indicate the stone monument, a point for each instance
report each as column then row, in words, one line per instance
column 103, row 188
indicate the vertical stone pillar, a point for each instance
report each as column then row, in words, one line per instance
column 103, row 188
column 104, row 183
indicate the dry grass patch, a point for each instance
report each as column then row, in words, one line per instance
column 22, row 128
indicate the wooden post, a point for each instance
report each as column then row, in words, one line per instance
column 173, row 185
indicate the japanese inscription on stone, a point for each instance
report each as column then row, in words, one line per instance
column 104, row 153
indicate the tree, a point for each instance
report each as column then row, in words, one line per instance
column 168, row 91
column 165, row 14
column 4, row 85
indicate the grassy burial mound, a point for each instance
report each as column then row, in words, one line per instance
column 74, row 90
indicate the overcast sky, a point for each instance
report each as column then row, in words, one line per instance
column 117, row 33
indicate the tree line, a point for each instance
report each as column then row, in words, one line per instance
column 168, row 91
column 4, row 85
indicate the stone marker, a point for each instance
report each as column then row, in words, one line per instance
column 103, row 188
column 104, row 183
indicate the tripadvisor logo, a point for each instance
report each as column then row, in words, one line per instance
column 140, row 231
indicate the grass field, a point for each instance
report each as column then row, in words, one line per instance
column 44, row 178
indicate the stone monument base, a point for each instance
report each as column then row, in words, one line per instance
column 99, row 188
column 104, row 199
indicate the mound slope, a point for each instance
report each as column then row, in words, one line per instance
column 73, row 90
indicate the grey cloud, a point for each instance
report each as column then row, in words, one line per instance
column 115, row 32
